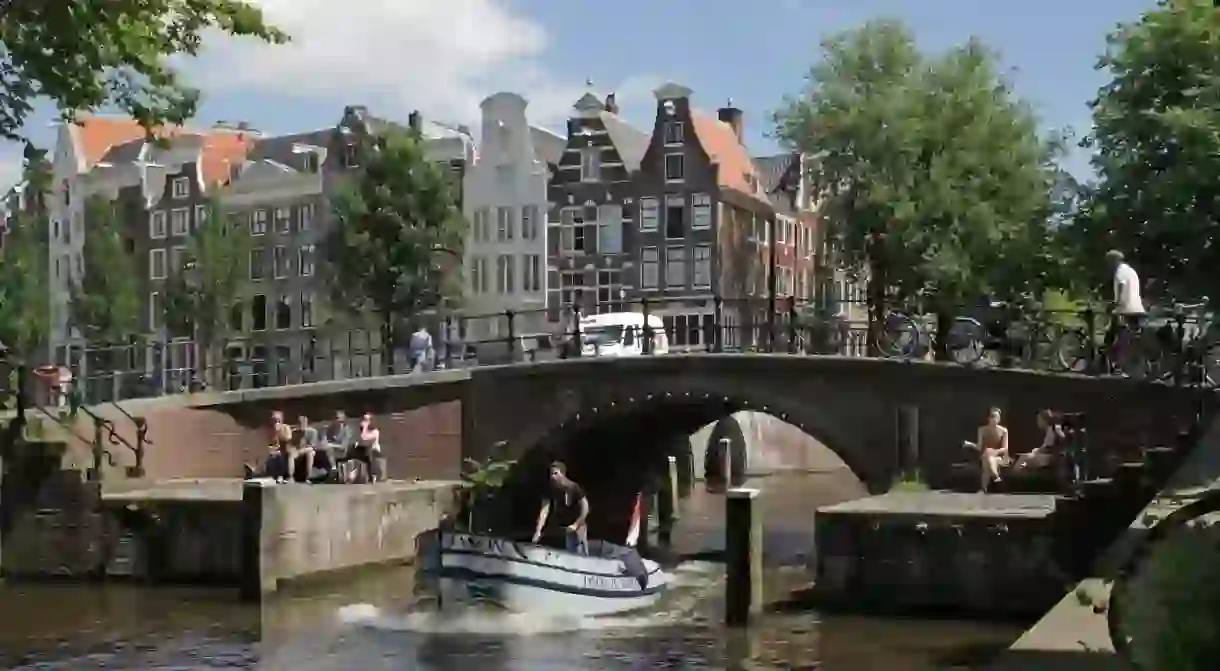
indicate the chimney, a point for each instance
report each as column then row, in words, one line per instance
column 611, row 104
column 415, row 121
column 733, row 117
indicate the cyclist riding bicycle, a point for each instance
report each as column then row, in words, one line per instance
column 1128, row 307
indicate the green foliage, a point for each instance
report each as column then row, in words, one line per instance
column 933, row 154
column 1157, row 150
column 910, row 481
column 1171, row 610
column 216, row 267
column 105, row 303
column 481, row 481
column 25, row 312
column 91, row 54
column 390, row 219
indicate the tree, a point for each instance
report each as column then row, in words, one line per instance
column 105, row 300
column 201, row 294
column 25, row 312
column 390, row 221
column 937, row 180
column 1157, row 150
column 90, row 54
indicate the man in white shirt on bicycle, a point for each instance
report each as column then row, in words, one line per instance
column 1128, row 306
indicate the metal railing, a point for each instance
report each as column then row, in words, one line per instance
column 25, row 395
column 998, row 335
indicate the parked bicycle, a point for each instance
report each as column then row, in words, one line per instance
column 1004, row 330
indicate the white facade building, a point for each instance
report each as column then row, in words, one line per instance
column 505, row 202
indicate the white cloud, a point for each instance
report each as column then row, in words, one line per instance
column 442, row 58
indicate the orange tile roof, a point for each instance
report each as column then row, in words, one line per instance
column 736, row 169
column 221, row 149
column 94, row 135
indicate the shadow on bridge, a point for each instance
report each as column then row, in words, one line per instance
column 622, row 448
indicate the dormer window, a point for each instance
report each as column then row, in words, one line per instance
column 351, row 156
column 673, row 132
column 310, row 159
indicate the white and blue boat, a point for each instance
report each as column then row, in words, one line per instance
column 527, row 577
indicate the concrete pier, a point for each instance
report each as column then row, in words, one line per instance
column 743, row 556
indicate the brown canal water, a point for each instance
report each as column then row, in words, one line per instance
column 368, row 622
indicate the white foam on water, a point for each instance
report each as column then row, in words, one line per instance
column 690, row 583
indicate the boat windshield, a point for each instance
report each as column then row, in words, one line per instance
column 603, row 335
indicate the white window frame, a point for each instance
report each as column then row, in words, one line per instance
column 703, row 260
column 650, row 213
column 529, row 222
column 307, row 302
column 258, row 254
column 181, row 188
column 305, row 215
column 277, row 252
column 201, row 215
column 305, row 262
column 283, row 215
column 674, row 133
column 157, row 227
column 675, row 255
column 504, row 274
column 180, row 221
column 156, row 257
column 650, row 259
column 567, row 229
column 701, row 211
column 604, row 223
column 681, row 163
column 531, row 279
column 504, row 223
column 258, row 222
column 177, row 258
column 154, row 305
column 591, row 164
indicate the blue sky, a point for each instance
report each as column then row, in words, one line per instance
column 443, row 57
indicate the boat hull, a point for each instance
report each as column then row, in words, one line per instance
column 524, row 577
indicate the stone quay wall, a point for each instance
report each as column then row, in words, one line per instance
column 938, row 552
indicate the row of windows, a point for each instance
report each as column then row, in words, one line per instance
column 507, row 277
column 509, row 222
column 179, row 221
column 679, row 271
column 281, row 262
column 283, row 314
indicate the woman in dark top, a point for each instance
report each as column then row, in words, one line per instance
column 1052, row 436
column 566, row 507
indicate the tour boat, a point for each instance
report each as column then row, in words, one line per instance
column 527, row 577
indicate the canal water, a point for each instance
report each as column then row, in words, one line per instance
column 372, row 622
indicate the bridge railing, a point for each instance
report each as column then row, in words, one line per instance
column 1025, row 337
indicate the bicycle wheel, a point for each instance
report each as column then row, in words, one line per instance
column 1122, row 629
column 1070, row 351
column 966, row 341
column 899, row 336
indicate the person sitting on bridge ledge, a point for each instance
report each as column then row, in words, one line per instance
column 1052, row 435
column 566, row 506
column 993, row 449
column 277, row 464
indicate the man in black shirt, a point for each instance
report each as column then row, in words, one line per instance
column 565, row 506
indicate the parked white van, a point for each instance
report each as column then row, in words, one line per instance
column 620, row 334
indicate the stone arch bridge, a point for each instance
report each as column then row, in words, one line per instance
column 613, row 418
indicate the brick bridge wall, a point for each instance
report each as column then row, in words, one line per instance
column 429, row 422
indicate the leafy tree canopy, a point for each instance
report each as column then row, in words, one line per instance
column 105, row 301
column 89, row 54
column 24, row 294
column 928, row 161
column 1157, row 144
column 391, row 222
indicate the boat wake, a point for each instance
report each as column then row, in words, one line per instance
column 691, row 583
